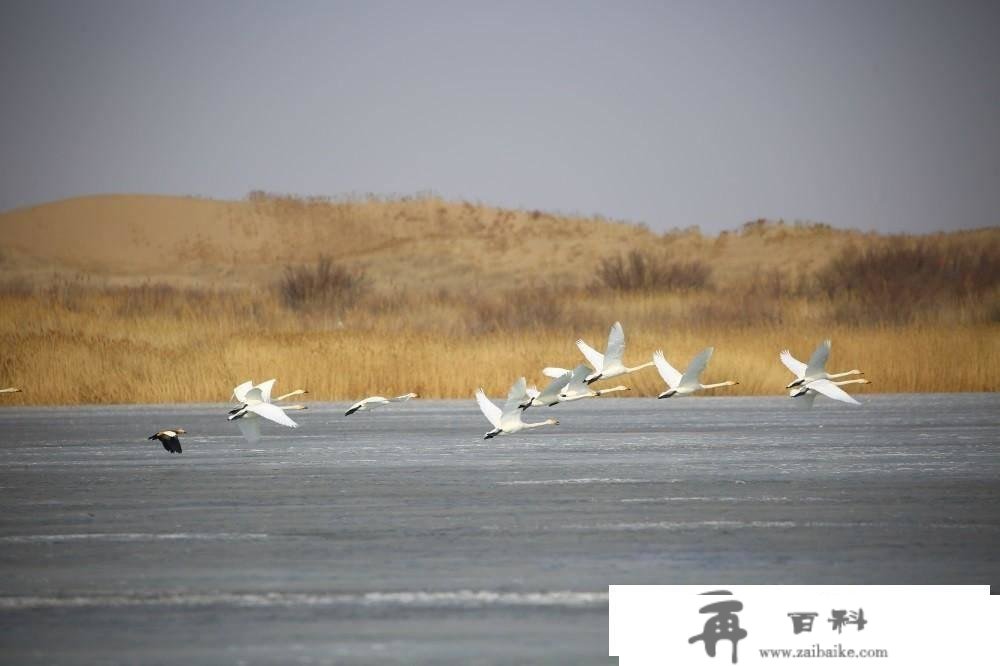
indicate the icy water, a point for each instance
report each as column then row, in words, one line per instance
column 403, row 537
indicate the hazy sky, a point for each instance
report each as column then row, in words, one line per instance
column 877, row 115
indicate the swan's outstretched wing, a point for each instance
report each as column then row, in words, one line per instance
column 577, row 384
column 817, row 362
column 831, row 390
column 554, row 372
column 555, row 387
column 517, row 396
column 616, row 346
column 253, row 396
column 240, row 392
column 272, row 413
column 797, row 367
column 696, row 367
column 594, row 357
column 670, row 374
column 265, row 389
column 250, row 427
column 489, row 410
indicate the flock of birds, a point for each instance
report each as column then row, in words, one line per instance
column 811, row 379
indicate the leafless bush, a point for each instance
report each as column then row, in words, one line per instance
column 525, row 309
column 895, row 281
column 641, row 271
column 324, row 286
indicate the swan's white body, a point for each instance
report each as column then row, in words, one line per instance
column 685, row 384
column 549, row 396
column 607, row 365
column 256, row 402
column 807, row 392
column 375, row 401
column 815, row 369
column 508, row 420
column 577, row 389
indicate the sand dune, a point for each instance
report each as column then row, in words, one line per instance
column 417, row 243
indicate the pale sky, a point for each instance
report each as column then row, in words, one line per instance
column 875, row 115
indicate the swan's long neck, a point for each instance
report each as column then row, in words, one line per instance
column 852, row 381
column 542, row 423
column 726, row 383
column 293, row 407
column 611, row 390
column 640, row 367
column 844, row 374
column 289, row 395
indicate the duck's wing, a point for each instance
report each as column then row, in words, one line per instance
column 670, row 374
column 489, row 410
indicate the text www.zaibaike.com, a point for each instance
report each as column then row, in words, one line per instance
column 818, row 652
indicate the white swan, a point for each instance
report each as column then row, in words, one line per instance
column 240, row 392
column 371, row 403
column 549, row 396
column 815, row 369
column 508, row 420
column 10, row 390
column 808, row 392
column 607, row 365
column 577, row 389
column 689, row 382
column 257, row 403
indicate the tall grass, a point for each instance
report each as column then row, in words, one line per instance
column 86, row 344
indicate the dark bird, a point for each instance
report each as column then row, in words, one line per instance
column 169, row 439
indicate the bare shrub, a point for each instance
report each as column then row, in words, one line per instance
column 642, row 271
column 324, row 286
column 526, row 309
column 895, row 281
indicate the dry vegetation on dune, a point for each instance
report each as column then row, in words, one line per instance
column 915, row 313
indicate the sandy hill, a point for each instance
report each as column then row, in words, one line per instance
column 418, row 243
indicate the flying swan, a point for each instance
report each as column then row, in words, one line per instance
column 808, row 392
column 577, row 389
column 375, row 401
column 815, row 369
column 257, row 403
column 508, row 420
column 607, row 365
column 689, row 382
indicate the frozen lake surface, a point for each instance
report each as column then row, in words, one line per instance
column 403, row 537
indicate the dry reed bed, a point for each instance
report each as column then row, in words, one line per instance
column 80, row 346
